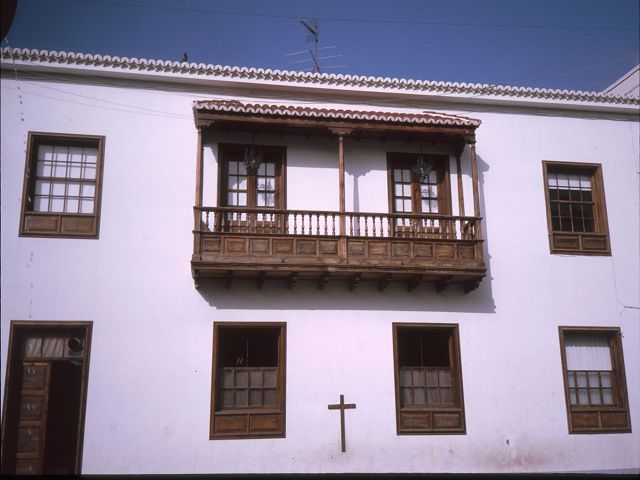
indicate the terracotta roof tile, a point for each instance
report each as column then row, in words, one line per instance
column 426, row 118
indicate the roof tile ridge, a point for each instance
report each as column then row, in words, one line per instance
column 311, row 78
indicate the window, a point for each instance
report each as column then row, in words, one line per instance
column 594, row 379
column 576, row 212
column 44, row 406
column 428, row 379
column 248, row 380
column 408, row 194
column 61, row 195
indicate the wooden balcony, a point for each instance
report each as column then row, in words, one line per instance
column 324, row 246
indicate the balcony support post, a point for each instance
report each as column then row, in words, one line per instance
column 474, row 179
column 459, row 148
column 341, row 132
column 198, row 200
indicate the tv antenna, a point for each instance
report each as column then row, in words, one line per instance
column 314, row 31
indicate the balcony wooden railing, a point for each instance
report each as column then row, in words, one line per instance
column 242, row 242
column 328, row 224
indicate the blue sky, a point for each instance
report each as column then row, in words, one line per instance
column 571, row 44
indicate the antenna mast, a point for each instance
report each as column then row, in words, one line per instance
column 313, row 30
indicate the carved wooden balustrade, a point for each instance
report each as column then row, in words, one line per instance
column 233, row 242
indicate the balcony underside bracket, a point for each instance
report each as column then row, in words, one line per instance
column 324, row 281
column 443, row 284
column 413, row 283
column 354, row 281
column 384, row 282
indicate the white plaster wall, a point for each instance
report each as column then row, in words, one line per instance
column 150, row 371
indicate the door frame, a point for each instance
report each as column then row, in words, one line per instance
column 17, row 329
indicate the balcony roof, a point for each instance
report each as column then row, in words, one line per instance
column 292, row 118
column 300, row 111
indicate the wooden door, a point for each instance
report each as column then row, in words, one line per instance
column 32, row 422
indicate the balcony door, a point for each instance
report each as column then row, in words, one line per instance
column 411, row 195
column 244, row 188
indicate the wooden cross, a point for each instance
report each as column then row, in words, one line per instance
column 342, row 407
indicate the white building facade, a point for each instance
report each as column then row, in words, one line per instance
column 460, row 262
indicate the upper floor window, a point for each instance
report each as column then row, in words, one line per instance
column 411, row 193
column 595, row 385
column 259, row 187
column 248, row 381
column 62, row 185
column 428, row 379
column 576, row 212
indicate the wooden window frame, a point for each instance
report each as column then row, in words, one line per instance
column 434, row 419
column 408, row 160
column 588, row 419
column 224, row 149
column 18, row 328
column 579, row 243
column 59, row 224
column 253, row 422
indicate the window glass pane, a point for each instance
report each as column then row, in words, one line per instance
column 571, row 380
column 75, row 171
column 432, row 378
column 419, row 396
column 41, row 204
column 89, row 172
column 45, row 152
column 43, row 169
column 585, row 182
column 60, row 154
column 583, row 398
column 227, row 398
column 397, row 175
column 417, row 377
column 86, row 206
column 57, row 204
column 607, row 396
column 91, row 155
column 399, row 206
column 242, row 169
column 581, row 379
column 433, row 206
column 433, row 397
column 405, row 396
column 445, row 395
column 262, row 169
column 255, row 398
column 72, row 205
column 595, row 396
column 269, row 397
column 255, row 378
column 271, row 168
column 605, row 379
column 574, row 181
column 573, row 399
column 227, row 378
column 552, row 180
column 42, row 188
column 405, row 377
column 444, row 378
column 88, row 190
column 407, row 206
column 270, row 378
column 242, row 379
column 58, row 188
column 73, row 189
column 232, row 200
column 242, row 398
column 60, row 170
column 75, row 154
column 270, row 200
column 594, row 380
column 563, row 180
column 268, row 184
column 399, row 189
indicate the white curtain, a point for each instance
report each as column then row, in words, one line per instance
column 47, row 346
column 587, row 351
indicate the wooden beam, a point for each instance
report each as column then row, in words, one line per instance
column 354, row 281
column 324, row 281
column 443, row 284
column 414, row 283
column 384, row 282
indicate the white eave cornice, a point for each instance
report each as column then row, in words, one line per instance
column 336, row 85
